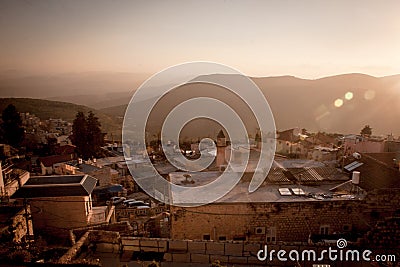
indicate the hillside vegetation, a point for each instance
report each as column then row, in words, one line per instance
column 46, row 109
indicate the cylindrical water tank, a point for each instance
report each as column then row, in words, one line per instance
column 356, row 177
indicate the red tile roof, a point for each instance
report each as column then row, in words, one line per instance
column 65, row 150
column 51, row 160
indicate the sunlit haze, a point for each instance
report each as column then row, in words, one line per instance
column 307, row 39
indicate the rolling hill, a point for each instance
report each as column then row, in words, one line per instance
column 46, row 109
column 115, row 111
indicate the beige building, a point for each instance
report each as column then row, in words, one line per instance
column 105, row 175
column 11, row 179
column 323, row 153
column 50, row 164
column 62, row 202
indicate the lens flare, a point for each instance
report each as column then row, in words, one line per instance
column 349, row 96
column 338, row 103
column 369, row 95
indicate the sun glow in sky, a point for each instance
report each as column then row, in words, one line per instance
column 308, row 39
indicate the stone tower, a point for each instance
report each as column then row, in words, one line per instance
column 221, row 147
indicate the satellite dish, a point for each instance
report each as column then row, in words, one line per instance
column 357, row 155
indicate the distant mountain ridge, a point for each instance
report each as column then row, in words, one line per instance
column 307, row 103
column 310, row 103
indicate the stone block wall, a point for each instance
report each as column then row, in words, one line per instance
column 232, row 253
column 293, row 221
column 187, row 251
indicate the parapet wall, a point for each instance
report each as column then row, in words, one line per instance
column 194, row 251
column 232, row 252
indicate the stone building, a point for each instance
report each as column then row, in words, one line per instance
column 104, row 175
column 11, row 179
column 320, row 153
column 50, row 164
column 298, row 205
column 62, row 202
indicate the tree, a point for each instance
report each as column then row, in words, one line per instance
column 95, row 138
column 366, row 131
column 87, row 135
column 13, row 132
column 79, row 136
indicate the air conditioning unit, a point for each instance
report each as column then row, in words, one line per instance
column 259, row 230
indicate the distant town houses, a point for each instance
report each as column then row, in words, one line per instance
column 370, row 144
column 298, row 143
column 45, row 133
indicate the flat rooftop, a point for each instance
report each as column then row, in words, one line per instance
column 56, row 186
column 55, row 179
column 297, row 184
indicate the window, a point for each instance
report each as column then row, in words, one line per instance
column 206, row 237
column 324, row 229
column 239, row 238
column 259, row 230
column 222, row 238
column 87, row 207
column 271, row 235
column 347, row 227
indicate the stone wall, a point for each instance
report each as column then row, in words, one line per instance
column 22, row 227
column 104, row 241
column 59, row 212
column 14, row 223
column 292, row 221
column 231, row 252
column 194, row 251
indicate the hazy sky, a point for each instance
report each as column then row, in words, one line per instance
column 308, row 39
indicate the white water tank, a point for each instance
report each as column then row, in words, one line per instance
column 356, row 177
